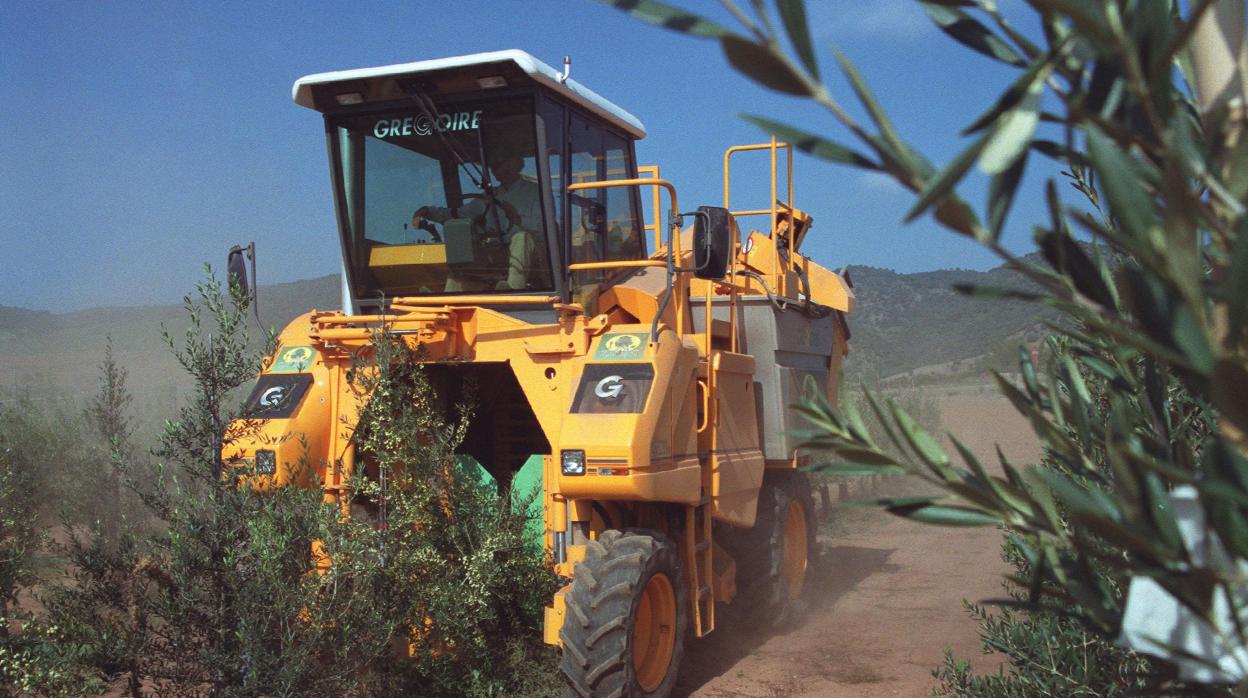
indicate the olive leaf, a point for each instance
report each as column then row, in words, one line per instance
column 812, row 144
column 969, row 32
column 669, row 17
column 793, row 14
column 763, row 65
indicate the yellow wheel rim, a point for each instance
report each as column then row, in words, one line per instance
column 795, row 547
column 654, row 632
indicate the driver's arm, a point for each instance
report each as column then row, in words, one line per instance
column 437, row 214
column 441, row 214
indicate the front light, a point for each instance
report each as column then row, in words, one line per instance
column 266, row 462
column 573, row 462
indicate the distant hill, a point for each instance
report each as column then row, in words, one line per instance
column 907, row 321
column 59, row 354
column 903, row 322
column 19, row 319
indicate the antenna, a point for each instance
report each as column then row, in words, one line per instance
column 567, row 69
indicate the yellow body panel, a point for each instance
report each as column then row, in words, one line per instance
column 409, row 268
column 736, row 466
column 403, row 255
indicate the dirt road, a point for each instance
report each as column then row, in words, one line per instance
column 888, row 599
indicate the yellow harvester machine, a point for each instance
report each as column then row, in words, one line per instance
column 491, row 211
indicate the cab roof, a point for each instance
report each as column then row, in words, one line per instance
column 455, row 74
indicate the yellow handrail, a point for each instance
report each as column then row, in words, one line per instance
column 681, row 282
column 621, row 264
column 653, row 172
column 772, row 146
column 418, row 316
column 473, row 300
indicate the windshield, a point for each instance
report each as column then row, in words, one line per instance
column 443, row 199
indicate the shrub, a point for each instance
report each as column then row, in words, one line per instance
column 474, row 586
column 215, row 590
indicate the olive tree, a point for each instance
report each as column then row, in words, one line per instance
column 1140, row 404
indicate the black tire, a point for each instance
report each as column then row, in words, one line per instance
column 599, row 659
column 765, row 597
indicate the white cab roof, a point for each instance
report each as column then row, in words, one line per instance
column 539, row 71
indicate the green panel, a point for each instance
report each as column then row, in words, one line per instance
column 527, row 482
column 469, row 467
column 622, row 346
column 293, row 360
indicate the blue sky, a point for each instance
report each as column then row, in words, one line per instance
column 138, row 141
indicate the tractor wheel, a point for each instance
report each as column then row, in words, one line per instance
column 774, row 557
column 624, row 631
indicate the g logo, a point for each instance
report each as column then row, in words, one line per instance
column 273, row 397
column 423, row 125
column 609, row 388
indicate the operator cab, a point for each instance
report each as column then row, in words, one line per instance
column 450, row 177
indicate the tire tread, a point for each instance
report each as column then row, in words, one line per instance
column 597, row 632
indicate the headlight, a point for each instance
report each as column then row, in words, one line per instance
column 266, row 463
column 573, row 462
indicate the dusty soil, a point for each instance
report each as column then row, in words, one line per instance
column 888, row 595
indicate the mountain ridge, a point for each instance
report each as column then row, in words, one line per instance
column 903, row 321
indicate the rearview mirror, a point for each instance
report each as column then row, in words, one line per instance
column 713, row 233
column 236, row 267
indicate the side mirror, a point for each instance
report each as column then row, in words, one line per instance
column 713, row 233
column 236, row 268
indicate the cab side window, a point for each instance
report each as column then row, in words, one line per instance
column 588, row 207
column 604, row 224
column 624, row 238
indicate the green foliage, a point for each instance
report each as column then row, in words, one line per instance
column 18, row 524
column 108, row 410
column 1050, row 652
column 50, row 445
column 906, row 394
column 1049, row 656
column 50, row 465
column 213, row 589
column 209, row 589
column 204, row 590
column 36, row 660
column 474, row 588
column 1155, row 309
column 108, row 413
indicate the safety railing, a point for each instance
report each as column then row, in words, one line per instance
column 675, row 283
column 652, row 171
column 472, row 300
column 774, row 147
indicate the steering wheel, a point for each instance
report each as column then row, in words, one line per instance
column 513, row 215
column 428, row 226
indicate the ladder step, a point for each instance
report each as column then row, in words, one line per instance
column 702, row 546
column 703, row 592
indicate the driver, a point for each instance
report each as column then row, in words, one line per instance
column 520, row 236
